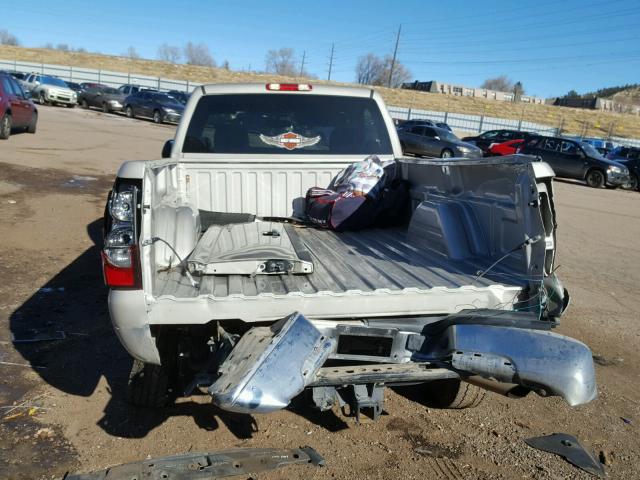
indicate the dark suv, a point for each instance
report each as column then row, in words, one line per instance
column 488, row 138
column 577, row 160
column 630, row 158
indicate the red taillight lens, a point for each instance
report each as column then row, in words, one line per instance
column 120, row 252
column 122, row 277
column 289, row 87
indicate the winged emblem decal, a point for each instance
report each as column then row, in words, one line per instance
column 290, row 140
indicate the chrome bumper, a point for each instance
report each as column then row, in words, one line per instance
column 271, row 365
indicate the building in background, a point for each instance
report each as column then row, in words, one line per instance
column 434, row 86
column 595, row 103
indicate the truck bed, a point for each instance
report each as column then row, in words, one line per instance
column 379, row 264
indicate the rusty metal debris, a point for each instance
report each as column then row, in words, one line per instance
column 209, row 466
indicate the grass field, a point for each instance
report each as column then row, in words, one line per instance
column 574, row 121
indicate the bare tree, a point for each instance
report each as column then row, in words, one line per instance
column 400, row 74
column 7, row 38
column 225, row 65
column 281, row 62
column 48, row 45
column 372, row 70
column 131, row 53
column 518, row 91
column 169, row 53
column 500, row 84
column 198, row 54
column 369, row 69
column 63, row 47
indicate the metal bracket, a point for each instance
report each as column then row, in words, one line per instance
column 207, row 466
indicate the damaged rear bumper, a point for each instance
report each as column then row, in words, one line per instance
column 271, row 365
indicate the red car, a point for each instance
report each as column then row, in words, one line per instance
column 16, row 109
column 505, row 148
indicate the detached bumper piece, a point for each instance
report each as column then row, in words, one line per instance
column 271, row 365
column 207, row 466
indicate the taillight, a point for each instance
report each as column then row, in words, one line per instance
column 120, row 253
column 290, row 87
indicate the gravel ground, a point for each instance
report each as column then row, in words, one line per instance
column 52, row 190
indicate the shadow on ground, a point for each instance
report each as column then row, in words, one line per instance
column 75, row 301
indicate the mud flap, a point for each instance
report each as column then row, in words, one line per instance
column 271, row 365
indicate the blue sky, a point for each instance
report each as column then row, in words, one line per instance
column 551, row 46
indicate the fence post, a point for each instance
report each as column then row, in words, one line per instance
column 520, row 124
column 71, row 74
column 409, row 114
column 481, row 122
column 158, row 83
column 99, row 76
column 446, row 116
column 187, row 86
column 128, row 77
column 42, row 68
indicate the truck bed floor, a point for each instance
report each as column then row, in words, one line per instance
column 369, row 262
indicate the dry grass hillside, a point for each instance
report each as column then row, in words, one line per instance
column 573, row 120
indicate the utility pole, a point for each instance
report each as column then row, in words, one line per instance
column 331, row 61
column 393, row 60
column 304, row 54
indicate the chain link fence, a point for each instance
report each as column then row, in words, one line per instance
column 457, row 121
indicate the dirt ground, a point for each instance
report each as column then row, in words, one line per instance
column 52, row 191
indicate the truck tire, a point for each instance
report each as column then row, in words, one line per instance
column 5, row 126
column 148, row 385
column 128, row 111
column 453, row 394
column 42, row 99
column 157, row 116
column 33, row 123
column 595, row 178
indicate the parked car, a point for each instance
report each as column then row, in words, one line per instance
column 85, row 85
column 486, row 139
column 155, row 105
column 182, row 97
column 443, row 125
column 16, row 108
column 129, row 89
column 505, row 148
column 212, row 285
column 31, row 81
column 577, row 160
column 107, row 98
column 75, row 86
column 19, row 75
column 52, row 90
column 435, row 142
column 630, row 158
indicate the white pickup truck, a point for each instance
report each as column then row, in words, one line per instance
column 218, row 281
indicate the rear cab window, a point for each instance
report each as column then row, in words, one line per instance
column 287, row 124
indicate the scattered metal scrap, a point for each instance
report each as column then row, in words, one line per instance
column 569, row 448
column 209, row 466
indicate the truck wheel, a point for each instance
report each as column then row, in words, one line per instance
column 633, row 183
column 41, row 99
column 157, row 116
column 148, row 385
column 595, row 178
column 446, row 153
column 33, row 123
column 5, row 126
column 453, row 394
column 129, row 111
column 84, row 104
